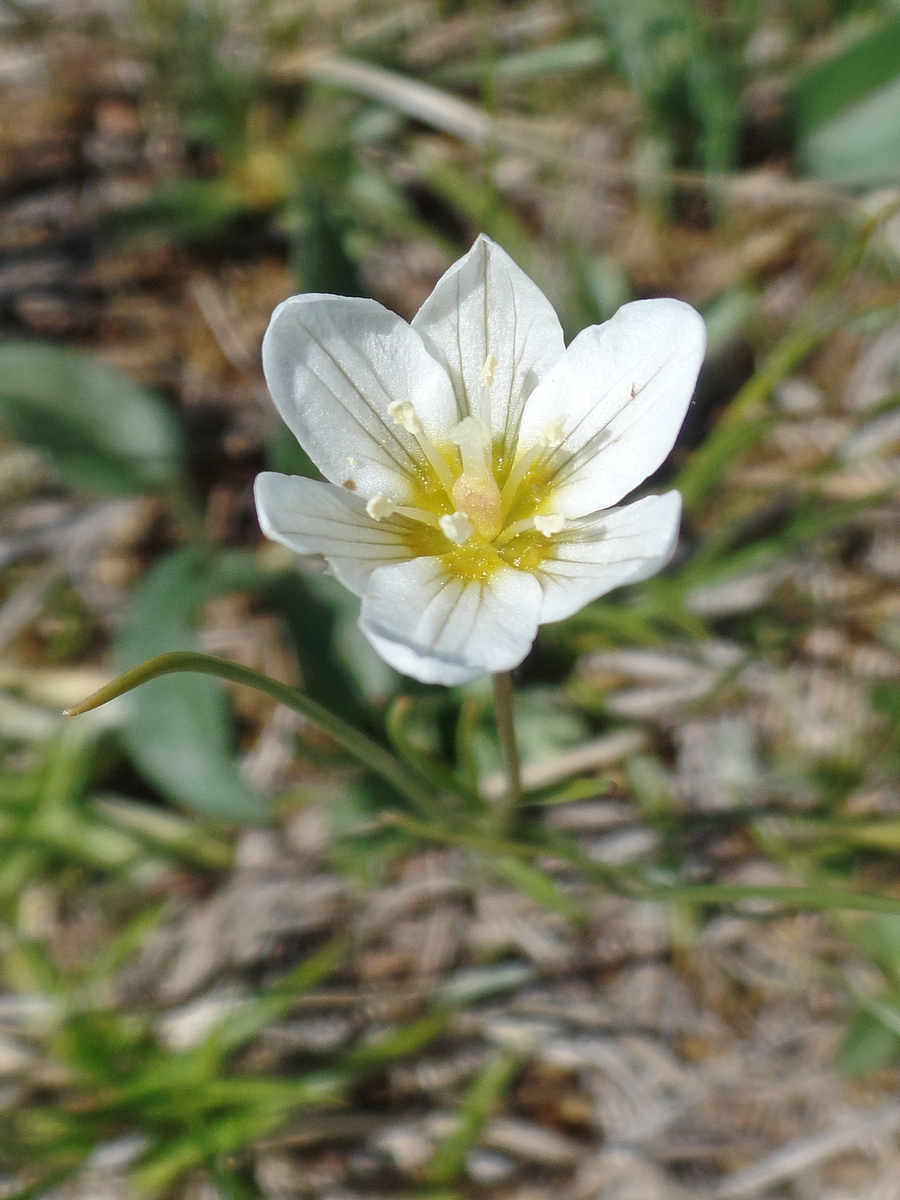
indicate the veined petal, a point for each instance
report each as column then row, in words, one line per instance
column 317, row 518
column 333, row 365
column 441, row 629
column 487, row 306
column 619, row 398
column 601, row 552
column 427, row 670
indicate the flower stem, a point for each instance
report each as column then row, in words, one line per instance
column 361, row 747
column 503, row 712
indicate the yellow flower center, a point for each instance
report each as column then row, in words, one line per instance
column 471, row 506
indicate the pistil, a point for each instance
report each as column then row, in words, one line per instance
column 475, row 492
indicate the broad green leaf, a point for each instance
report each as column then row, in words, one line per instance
column 178, row 730
column 867, row 1046
column 103, row 432
column 880, row 936
column 848, row 111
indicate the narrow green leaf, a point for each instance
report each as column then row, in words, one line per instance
column 482, row 1098
column 479, row 983
column 630, row 881
column 248, row 1020
column 174, row 835
column 366, row 751
column 401, row 1042
column 400, row 731
column 539, row 886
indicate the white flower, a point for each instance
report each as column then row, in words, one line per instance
column 473, row 459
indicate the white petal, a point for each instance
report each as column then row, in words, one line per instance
column 333, row 365
column 621, row 394
column 440, row 629
column 418, row 666
column 597, row 554
column 317, row 518
column 485, row 305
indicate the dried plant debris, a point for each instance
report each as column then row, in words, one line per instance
column 642, row 1067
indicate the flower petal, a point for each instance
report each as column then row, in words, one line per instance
column 333, row 365
column 441, row 629
column 486, row 305
column 317, row 518
column 599, row 553
column 619, row 398
column 427, row 670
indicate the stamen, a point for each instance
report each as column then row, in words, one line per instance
column 514, row 530
column 407, row 418
column 547, row 525
column 550, row 524
column 456, row 527
column 518, row 473
column 417, row 514
column 553, row 435
column 486, row 379
column 380, row 507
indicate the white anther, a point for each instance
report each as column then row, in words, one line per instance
column 456, row 527
column 553, row 435
column 487, row 371
column 550, row 524
column 405, row 415
column 380, row 507
column 351, row 461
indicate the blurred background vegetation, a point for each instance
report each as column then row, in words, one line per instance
column 189, row 874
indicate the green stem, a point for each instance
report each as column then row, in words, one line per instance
column 361, row 747
column 503, row 712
